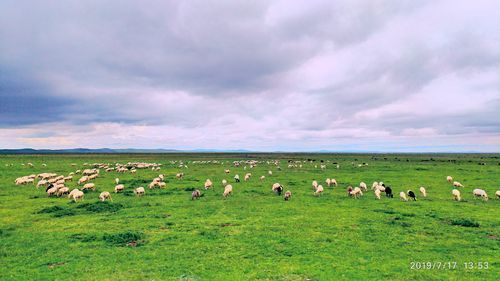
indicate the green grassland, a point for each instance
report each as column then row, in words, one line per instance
column 254, row 234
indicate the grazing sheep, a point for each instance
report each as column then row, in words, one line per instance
column 456, row 195
column 314, row 185
column 68, row 178
column 196, row 194
column 139, row 191
column 277, row 188
column 363, row 186
column 83, row 179
column 162, row 184
column 237, row 178
column 88, row 186
column 227, row 171
column 423, row 191
column 380, row 187
column 402, row 196
column 247, row 176
column 262, row 178
column 377, row 193
column 119, row 188
column 480, row 193
column 319, row 190
column 179, row 176
column 497, row 194
column 42, row 183
column 52, row 191
column 75, row 194
column 388, row 191
column 356, row 192
column 412, row 195
column 117, row 180
column 104, row 196
column 375, row 184
column 161, row 177
column 449, row 179
column 333, row 182
column 270, row 172
column 62, row 191
column 224, row 183
column 457, row 184
column 208, row 184
column 228, row 190
column 328, row 182
column 288, row 195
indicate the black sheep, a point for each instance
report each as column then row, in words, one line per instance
column 279, row 190
column 411, row 194
column 388, row 192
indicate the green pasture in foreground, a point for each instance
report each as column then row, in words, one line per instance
column 254, row 234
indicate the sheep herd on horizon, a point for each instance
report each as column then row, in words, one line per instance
column 54, row 184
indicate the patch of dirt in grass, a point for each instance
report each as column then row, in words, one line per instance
column 55, row 264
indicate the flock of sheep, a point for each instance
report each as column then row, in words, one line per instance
column 55, row 185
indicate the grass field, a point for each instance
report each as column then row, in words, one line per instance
column 254, row 234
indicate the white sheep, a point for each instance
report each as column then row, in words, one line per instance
column 333, row 182
column 377, row 193
column 288, row 195
column 480, row 193
column 179, row 175
column 328, row 182
column 380, row 187
column 497, row 194
column 375, row 184
column 75, row 194
column 228, row 189
column 224, row 183
column 237, row 178
column 105, row 195
column 449, row 179
column 262, row 178
column 62, row 191
column 363, row 186
column 402, row 196
column 319, row 190
column 423, row 191
column 83, row 179
column 52, row 191
column 247, row 176
column 270, row 172
column 88, row 186
column 227, row 171
column 457, row 184
column 139, row 191
column 314, row 185
column 119, row 188
column 208, row 184
column 42, row 183
column 117, row 180
column 356, row 192
column 456, row 194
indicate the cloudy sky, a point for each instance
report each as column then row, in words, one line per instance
column 260, row 75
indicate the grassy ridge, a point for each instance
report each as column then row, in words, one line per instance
column 252, row 235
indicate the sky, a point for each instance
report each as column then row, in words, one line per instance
column 392, row 76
